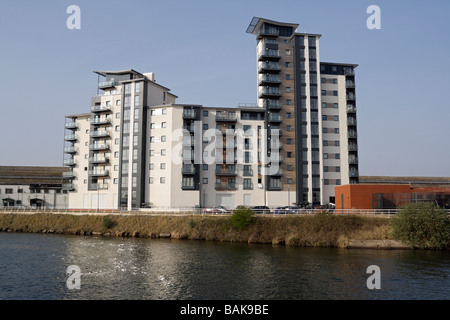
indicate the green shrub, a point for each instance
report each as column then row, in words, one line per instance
column 242, row 218
column 108, row 223
column 422, row 225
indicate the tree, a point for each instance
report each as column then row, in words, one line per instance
column 242, row 217
column 423, row 225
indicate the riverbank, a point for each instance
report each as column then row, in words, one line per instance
column 309, row 231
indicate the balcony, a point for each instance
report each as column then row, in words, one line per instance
column 228, row 132
column 99, row 173
column 188, row 142
column 189, row 114
column 352, row 147
column 270, row 92
column 351, row 121
column 273, row 105
column 278, row 173
column 98, row 147
column 230, row 117
column 188, row 169
column 225, row 186
column 70, row 150
column 99, row 186
column 351, row 108
column 107, row 84
column 349, row 84
column 71, row 125
column 69, row 162
column 97, row 160
column 190, row 128
column 188, row 187
column 353, row 173
column 101, row 108
column 351, row 96
column 268, row 54
column 226, row 172
column 70, row 137
column 275, row 117
column 269, row 67
column 349, row 72
column 352, row 134
column 69, row 175
column 100, row 121
column 269, row 79
column 353, row 160
column 68, row 187
column 100, row 134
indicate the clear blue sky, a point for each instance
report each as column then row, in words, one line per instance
column 201, row 51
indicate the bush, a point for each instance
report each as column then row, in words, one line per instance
column 242, row 218
column 108, row 223
column 422, row 225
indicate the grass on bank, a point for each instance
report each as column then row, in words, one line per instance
column 320, row 230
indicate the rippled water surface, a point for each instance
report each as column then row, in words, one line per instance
column 34, row 266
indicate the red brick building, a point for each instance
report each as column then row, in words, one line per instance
column 392, row 192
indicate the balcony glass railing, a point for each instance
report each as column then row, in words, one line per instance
column 99, row 159
column 71, row 125
column 102, row 146
column 69, row 162
column 230, row 117
column 98, row 172
column 100, row 120
column 225, row 186
column 99, row 186
column 189, row 114
column 70, row 137
column 100, row 108
column 351, row 108
column 188, row 169
column 351, row 121
column 99, row 134
column 269, row 66
column 274, row 117
column 107, row 84
column 226, row 172
column 70, row 150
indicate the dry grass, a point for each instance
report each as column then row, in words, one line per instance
column 315, row 230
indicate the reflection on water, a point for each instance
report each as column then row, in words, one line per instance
column 34, row 267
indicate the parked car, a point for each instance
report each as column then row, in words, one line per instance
column 287, row 210
column 261, row 209
column 216, row 210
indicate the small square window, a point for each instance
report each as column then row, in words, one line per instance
column 205, row 181
column 324, row 92
column 205, row 113
column 162, row 180
column 163, row 152
column 164, row 125
column 163, row 138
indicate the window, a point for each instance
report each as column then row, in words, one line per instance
column 152, row 139
column 205, row 113
column 325, row 143
column 289, row 181
column 325, row 155
column 136, row 127
column 136, row 101
column 152, row 126
column 116, row 167
column 151, row 166
column 335, row 93
column 335, row 105
column 337, row 156
column 118, row 103
column 324, row 104
column 163, row 152
column 323, row 80
column 289, row 168
column 336, row 143
column 336, row 118
column 205, row 126
column 288, row 115
column 152, row 153
column 8, row 191
column 205, row 167
column 287, row 64
column 163, row 138
column 289, row 154
column 288, row 77
column 151, row 180
column 164, row 125
column 163, row 166
column 288, row 89
column 116, row 154
column 287, row 52
column 136, row 114
column 248, row 184
column 116, row 181
column 289, row 141
column 205, row 181
column 116, row 141
column 289, row 128
column 324, row 92
column 117, row 128
column 162, row 180
column 137, row 87
column 326, row 182
column 164, row 111
column 117, row 115
column 335, row 81
column 338, row 169
column 336, row 130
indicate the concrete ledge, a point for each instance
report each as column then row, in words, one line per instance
column 377, row 244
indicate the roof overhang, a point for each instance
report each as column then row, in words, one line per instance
column 256, row 24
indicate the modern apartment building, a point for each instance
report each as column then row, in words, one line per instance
column 138, row 147
column 312, row 105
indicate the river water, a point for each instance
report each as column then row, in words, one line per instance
column 34, row 266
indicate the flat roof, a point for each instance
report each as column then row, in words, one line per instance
column 340, row 64
column 404, row 180
column 120, row 72
column 13, row 175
